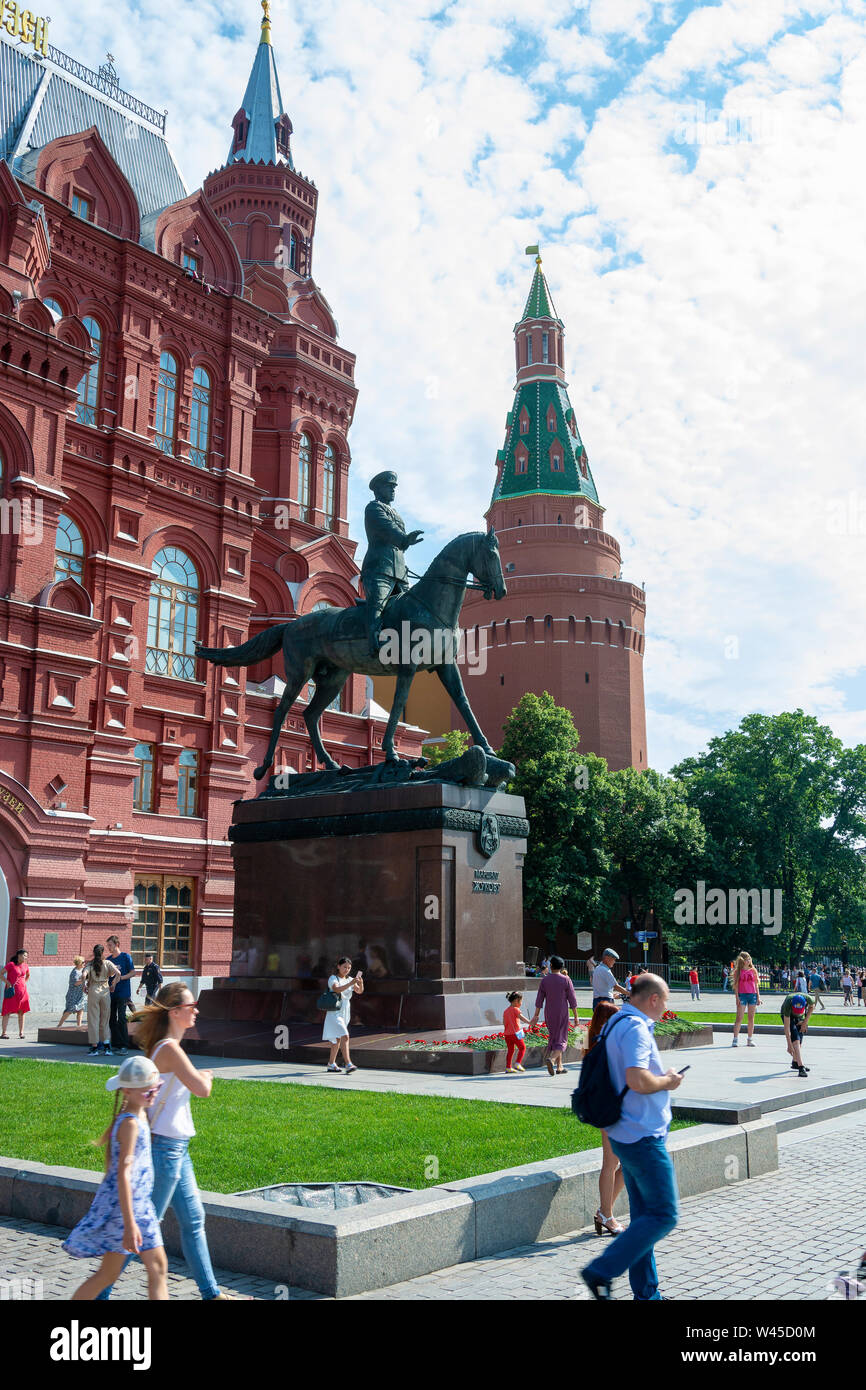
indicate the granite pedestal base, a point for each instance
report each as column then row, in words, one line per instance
column 420, row 885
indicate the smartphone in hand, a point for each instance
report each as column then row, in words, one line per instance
column 683, row 1070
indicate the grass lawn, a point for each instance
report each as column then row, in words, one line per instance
column 251, row 1133
column 771, row 1015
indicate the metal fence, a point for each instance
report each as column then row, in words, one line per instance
column 710, row 976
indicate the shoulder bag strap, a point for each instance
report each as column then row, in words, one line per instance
column 154, row 1115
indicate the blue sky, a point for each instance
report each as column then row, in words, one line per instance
column 692, row 174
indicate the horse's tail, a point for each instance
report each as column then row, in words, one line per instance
column 265, row 644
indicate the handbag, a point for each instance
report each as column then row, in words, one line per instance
column 9, row 992
column 328, row 1001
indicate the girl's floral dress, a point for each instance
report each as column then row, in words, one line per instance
column 100, row 1232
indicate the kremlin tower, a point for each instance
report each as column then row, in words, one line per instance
column 570, row 624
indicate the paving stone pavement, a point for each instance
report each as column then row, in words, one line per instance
column 30, row 1250
column 735, row 1244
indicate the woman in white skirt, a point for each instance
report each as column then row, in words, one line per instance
column 336, row 1029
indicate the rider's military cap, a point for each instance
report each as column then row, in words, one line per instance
column 386, row 477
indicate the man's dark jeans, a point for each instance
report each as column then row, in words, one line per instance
column 653, row 1211
column 117, row 1023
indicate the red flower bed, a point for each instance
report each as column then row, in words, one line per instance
column 485, row 1042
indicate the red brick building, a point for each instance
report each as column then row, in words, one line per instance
column 569, row 624
column 174, row 464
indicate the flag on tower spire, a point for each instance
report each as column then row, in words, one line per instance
column 539, row 304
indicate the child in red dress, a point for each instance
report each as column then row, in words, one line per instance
column 512, row 1021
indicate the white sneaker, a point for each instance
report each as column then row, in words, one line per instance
column 332, row 1066
column 734, row 1042
column 750, row 1042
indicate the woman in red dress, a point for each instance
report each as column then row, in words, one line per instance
column 15, row 977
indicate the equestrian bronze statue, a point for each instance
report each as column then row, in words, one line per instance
column 418, row 630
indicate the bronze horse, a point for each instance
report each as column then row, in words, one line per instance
column 328, row 646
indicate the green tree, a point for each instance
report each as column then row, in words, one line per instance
column 784, row 806
column 565, row 872
column 652, row 837
column 453, row 745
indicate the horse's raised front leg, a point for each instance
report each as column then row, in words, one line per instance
column 450, row 677
column 401, row 694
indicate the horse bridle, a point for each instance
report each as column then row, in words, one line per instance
column 451, row 579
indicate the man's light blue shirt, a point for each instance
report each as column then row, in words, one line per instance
column 632, row 1045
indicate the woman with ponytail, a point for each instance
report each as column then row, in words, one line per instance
column 744, row 982
column 97, row 977
column 161, row 1027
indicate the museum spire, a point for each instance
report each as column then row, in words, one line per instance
column 261, row 126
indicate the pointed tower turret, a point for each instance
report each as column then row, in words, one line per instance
column 569, row 623
column 543, row 452
column 306, row 386
column 268, row 207
column 261, row 127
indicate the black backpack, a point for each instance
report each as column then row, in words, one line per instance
column 595, row 1101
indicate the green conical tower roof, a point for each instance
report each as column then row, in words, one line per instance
column 539, row 304
column 537, row 458
column 543, row 450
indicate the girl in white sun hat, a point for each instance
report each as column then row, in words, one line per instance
column 122, row 1219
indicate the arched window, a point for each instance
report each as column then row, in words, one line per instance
column 54, row 308
column 166, row 404
column 68, row 551
column 172, row 620
column 329, row 474
column 293, row 252
column 545, row 354
column 88, row 391
column 529, row 349
column 199, row 422
column 304, row 477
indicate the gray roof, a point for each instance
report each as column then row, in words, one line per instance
column 41, row 100
column 263, row 105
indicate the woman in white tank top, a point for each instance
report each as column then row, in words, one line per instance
column 160, row 1029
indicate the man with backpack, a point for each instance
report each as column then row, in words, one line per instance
column 640, row 1087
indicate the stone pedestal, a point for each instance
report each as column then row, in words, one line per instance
column 419, row 884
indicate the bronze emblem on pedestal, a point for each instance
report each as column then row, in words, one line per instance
column 488, row 835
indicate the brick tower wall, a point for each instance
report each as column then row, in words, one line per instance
column 568, row 625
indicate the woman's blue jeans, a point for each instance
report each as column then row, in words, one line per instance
column 653, row 1211
column 174, row 1186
